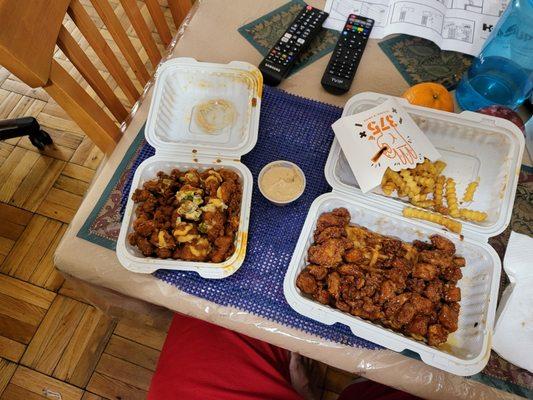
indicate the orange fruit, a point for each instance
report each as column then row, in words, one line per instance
column 432, row 95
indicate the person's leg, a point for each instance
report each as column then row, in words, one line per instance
column 203, row 361
column 369, row 390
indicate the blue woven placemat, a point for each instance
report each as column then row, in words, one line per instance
column 295, row 129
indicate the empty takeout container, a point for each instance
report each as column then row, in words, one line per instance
column 472, row 145
column 181, row 85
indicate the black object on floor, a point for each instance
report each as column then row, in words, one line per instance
column 11, row 128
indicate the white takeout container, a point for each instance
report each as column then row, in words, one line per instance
column 472, row 145
column 181, row 84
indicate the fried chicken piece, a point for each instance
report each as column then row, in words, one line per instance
column 143, row 226
column 221, row 249
column 331, row 232
column 328, row 253
column 448, row 317
column 232, row 224
column 406, row 313
column 394, row 305
column 306, row 282
column 443, row 244
column 421, row 304
column 425, row 271
column 213, row 224
column 132, row 238
column 372, row 284
column 197, row 250
column 451, row 293
column 365, row 308
column 211, row 181
column 318, row 271
column 163, row 214
column 435, row 257
column 163, row 240
column 390, row 246
column 163, row 252
column 418, row 327
column 434, row 291
column 227, row 174
column 459, row 262
column 370, row 310
column 451, row 274
column 351, row 291
column 416, row 285
column 420, row 245
column 401, row 263
column 398, row 276
column 341, row 305
column 149, row 205
column 141, row 195
column 386, row 291
column 353, row 255
column 350, row 269
column 152, row 186
column 437, row 335
column 226, row 190
column 334, row 284
column 337, row 217
column 191, row 177
column 176, row 174
column 142, row 243
column 322, row 296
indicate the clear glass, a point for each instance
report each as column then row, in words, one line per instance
column 503, row 72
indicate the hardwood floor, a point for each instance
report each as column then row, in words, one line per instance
column 52, row 343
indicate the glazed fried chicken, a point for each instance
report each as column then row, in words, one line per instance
column 411, row 288
column 188, row 215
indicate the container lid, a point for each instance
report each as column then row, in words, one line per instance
column 205, row 109
column 473, row 146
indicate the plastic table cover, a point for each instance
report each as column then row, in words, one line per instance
column 103, row 281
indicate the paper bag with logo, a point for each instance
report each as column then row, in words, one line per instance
column 380, row 138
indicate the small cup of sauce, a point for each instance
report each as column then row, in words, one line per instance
column 281, row 182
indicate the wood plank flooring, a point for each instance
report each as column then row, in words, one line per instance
column 53, row 344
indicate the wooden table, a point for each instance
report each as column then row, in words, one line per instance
column 212, row 36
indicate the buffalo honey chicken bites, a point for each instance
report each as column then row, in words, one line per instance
column 188, row 215
column 408, row 287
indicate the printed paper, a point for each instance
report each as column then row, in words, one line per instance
column 380, row 138
column 458, row 25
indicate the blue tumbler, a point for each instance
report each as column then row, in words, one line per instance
column 503, row 72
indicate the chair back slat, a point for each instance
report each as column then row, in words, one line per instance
column 159, row 21
column 27, row 44
column 91, row 33
column 179, row 10
column 28, row 52
column 79, row 59
column 82, row 108
column 139, row 24
column 111, row 21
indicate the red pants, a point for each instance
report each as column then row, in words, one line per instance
column 206, row 362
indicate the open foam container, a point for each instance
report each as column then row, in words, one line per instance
column 473, row 145
column 182, row 84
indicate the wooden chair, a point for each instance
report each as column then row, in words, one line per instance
column 32, row 28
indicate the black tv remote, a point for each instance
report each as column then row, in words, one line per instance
column 339, row 73
column 280, row 59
